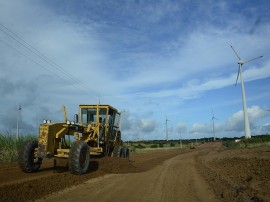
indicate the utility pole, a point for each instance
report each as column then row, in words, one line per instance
column 18, row 116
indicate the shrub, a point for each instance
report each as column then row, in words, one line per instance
column 9, row 145
column 139, row 146
column 154, row 146
column 230, row 143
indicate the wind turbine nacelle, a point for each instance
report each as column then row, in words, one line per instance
column 240, row 62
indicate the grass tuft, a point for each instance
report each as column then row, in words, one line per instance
column 263, row 140
column 9, row 145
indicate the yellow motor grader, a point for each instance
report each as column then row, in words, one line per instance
column 94, row 131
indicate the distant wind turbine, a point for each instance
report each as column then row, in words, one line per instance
column 213, row 120
column 241, row 62
column 167, row 128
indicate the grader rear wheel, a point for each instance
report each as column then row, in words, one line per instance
column 125, row 152
column 27, row 160
column 106, row 149
column 118, row 151
column 79, row 158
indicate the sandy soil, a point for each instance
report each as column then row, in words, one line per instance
column 237, row 174
column 208, row 173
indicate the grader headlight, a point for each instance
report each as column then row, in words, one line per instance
column 70, row 122
column 46, row 121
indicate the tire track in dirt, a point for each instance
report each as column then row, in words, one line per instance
column 19, row 186
column 232, row 174
column 176, row 179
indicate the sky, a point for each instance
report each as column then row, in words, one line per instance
column 154, row 60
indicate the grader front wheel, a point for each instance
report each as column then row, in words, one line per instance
column 79, row 158
column 27, row 160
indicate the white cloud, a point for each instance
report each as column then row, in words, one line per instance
column 148, row 58
column 236, row 121
column 233, row 126
column 181, row 128
column 201, row 128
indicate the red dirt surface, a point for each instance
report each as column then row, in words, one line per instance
column 238, row 174
column 18, row 186
column 208, row 173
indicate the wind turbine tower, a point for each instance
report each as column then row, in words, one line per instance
column 167, row 128
column 241, row 62
column 213, row 120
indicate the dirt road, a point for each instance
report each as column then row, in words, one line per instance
column 174, row 180
column 208, row 173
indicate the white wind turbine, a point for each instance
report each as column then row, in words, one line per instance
column 241, row 62
column 213, row 120
column 167, row 128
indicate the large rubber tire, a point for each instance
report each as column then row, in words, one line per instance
column 79, row 158
column 106, row 149
column 125, row 152
column 118, row 151
column 26, row 157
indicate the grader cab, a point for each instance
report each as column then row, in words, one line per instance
column 94, row 131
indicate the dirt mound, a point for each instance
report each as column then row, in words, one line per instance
column 35, row 188
column 32, row 186
column 233, row 174
column 245, row 177
column 108, row 165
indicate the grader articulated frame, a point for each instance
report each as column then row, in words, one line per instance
column 95, row 131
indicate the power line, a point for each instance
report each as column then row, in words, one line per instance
column 38, row 53
column 40, row 65
column 29, row 47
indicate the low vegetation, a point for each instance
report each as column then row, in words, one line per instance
column 9, row 145
column 144, row 145
column 255, row 141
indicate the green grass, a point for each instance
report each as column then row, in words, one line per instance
column 9, row 145
column 261, row 141
column 138, row 147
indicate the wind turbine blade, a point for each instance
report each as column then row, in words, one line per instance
column 237, row 75
column 235, row 53
column 252, row 59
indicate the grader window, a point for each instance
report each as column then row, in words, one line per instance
column 102, row 115
column 116, row 120
column 88, row 116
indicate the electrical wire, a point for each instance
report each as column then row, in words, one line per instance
column 40, row 65
column 37, row 52
column 29, row 47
